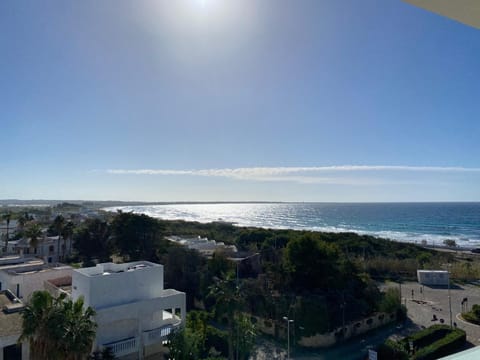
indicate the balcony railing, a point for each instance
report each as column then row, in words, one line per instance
column 123, row 347
column 160, row 333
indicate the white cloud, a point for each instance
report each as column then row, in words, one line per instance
column 303, row 175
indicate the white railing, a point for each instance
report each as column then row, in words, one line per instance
column 123, row 347
column 159, row 334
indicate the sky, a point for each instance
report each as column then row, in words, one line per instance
column 237, row 100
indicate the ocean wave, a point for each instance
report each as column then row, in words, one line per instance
column 324, row 219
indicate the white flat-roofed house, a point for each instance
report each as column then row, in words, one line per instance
column 204, row 246
column 134, row 312
column 433, row 277
column 24, row 275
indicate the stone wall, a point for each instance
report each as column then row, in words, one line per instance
column 350, row 330
column 270, row 327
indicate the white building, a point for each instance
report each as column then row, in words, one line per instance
column 51, row 249
column 134, row 312
column 24, row 275
column 433, row 277
column 203, row 245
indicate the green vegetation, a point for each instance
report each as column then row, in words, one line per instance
column 473, row 315
column 432, row 343
column 57, row 328
column 323, row 280
column 200, row 340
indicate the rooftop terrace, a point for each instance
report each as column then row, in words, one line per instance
column 111, row 268
column 10, row 316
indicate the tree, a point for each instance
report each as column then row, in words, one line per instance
column 312, row 263
column 58, row 225
column 246, row 335
column 7, row 216
column 67, row 233
column 228, row 301
column 34, row 232
column 23, row 219
column 92, row 239
column 136, row 236
column 57, row 328
column 79, row 329
column 450, row 243
column 184, row 345
column 183, row 270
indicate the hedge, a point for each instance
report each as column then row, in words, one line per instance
column 432, row 343
column 392, row 350
column 428, row 336
column 443, row 347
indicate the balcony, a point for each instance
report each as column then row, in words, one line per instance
column 159, row 334
column 123, row 347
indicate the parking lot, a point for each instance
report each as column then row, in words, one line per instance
column 424, row 304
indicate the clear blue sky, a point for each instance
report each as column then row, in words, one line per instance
column 237, row 100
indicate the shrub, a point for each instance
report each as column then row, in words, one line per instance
column 450, row 243
column 427, row 336
column 445, row 346
column 435, row 342
column 390, row 301
column 217, row 339
column 473, row 315
column 391, row 350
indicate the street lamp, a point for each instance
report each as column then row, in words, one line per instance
column 237, row 262
column 288, row 335
column 449, row 296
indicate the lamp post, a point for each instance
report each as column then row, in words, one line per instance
column 237, row 262
column 449, row 296
column 288, row 335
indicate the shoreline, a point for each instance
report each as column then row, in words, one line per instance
column 431, row 243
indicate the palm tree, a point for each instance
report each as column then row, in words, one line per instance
column 79, row 330
column 37, row 326
column 7, row 216
column 67, row 234
column 59, row 224
column 57, row 328
column 33, row 231
column 22, row 220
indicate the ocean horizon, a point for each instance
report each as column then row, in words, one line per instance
column 418, row 222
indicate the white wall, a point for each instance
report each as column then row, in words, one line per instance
column 102, row 291
column 127, row 301
column 440, row 278
column 31, row 281
column 130, row 320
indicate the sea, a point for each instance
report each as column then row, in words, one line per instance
column 421, row 223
